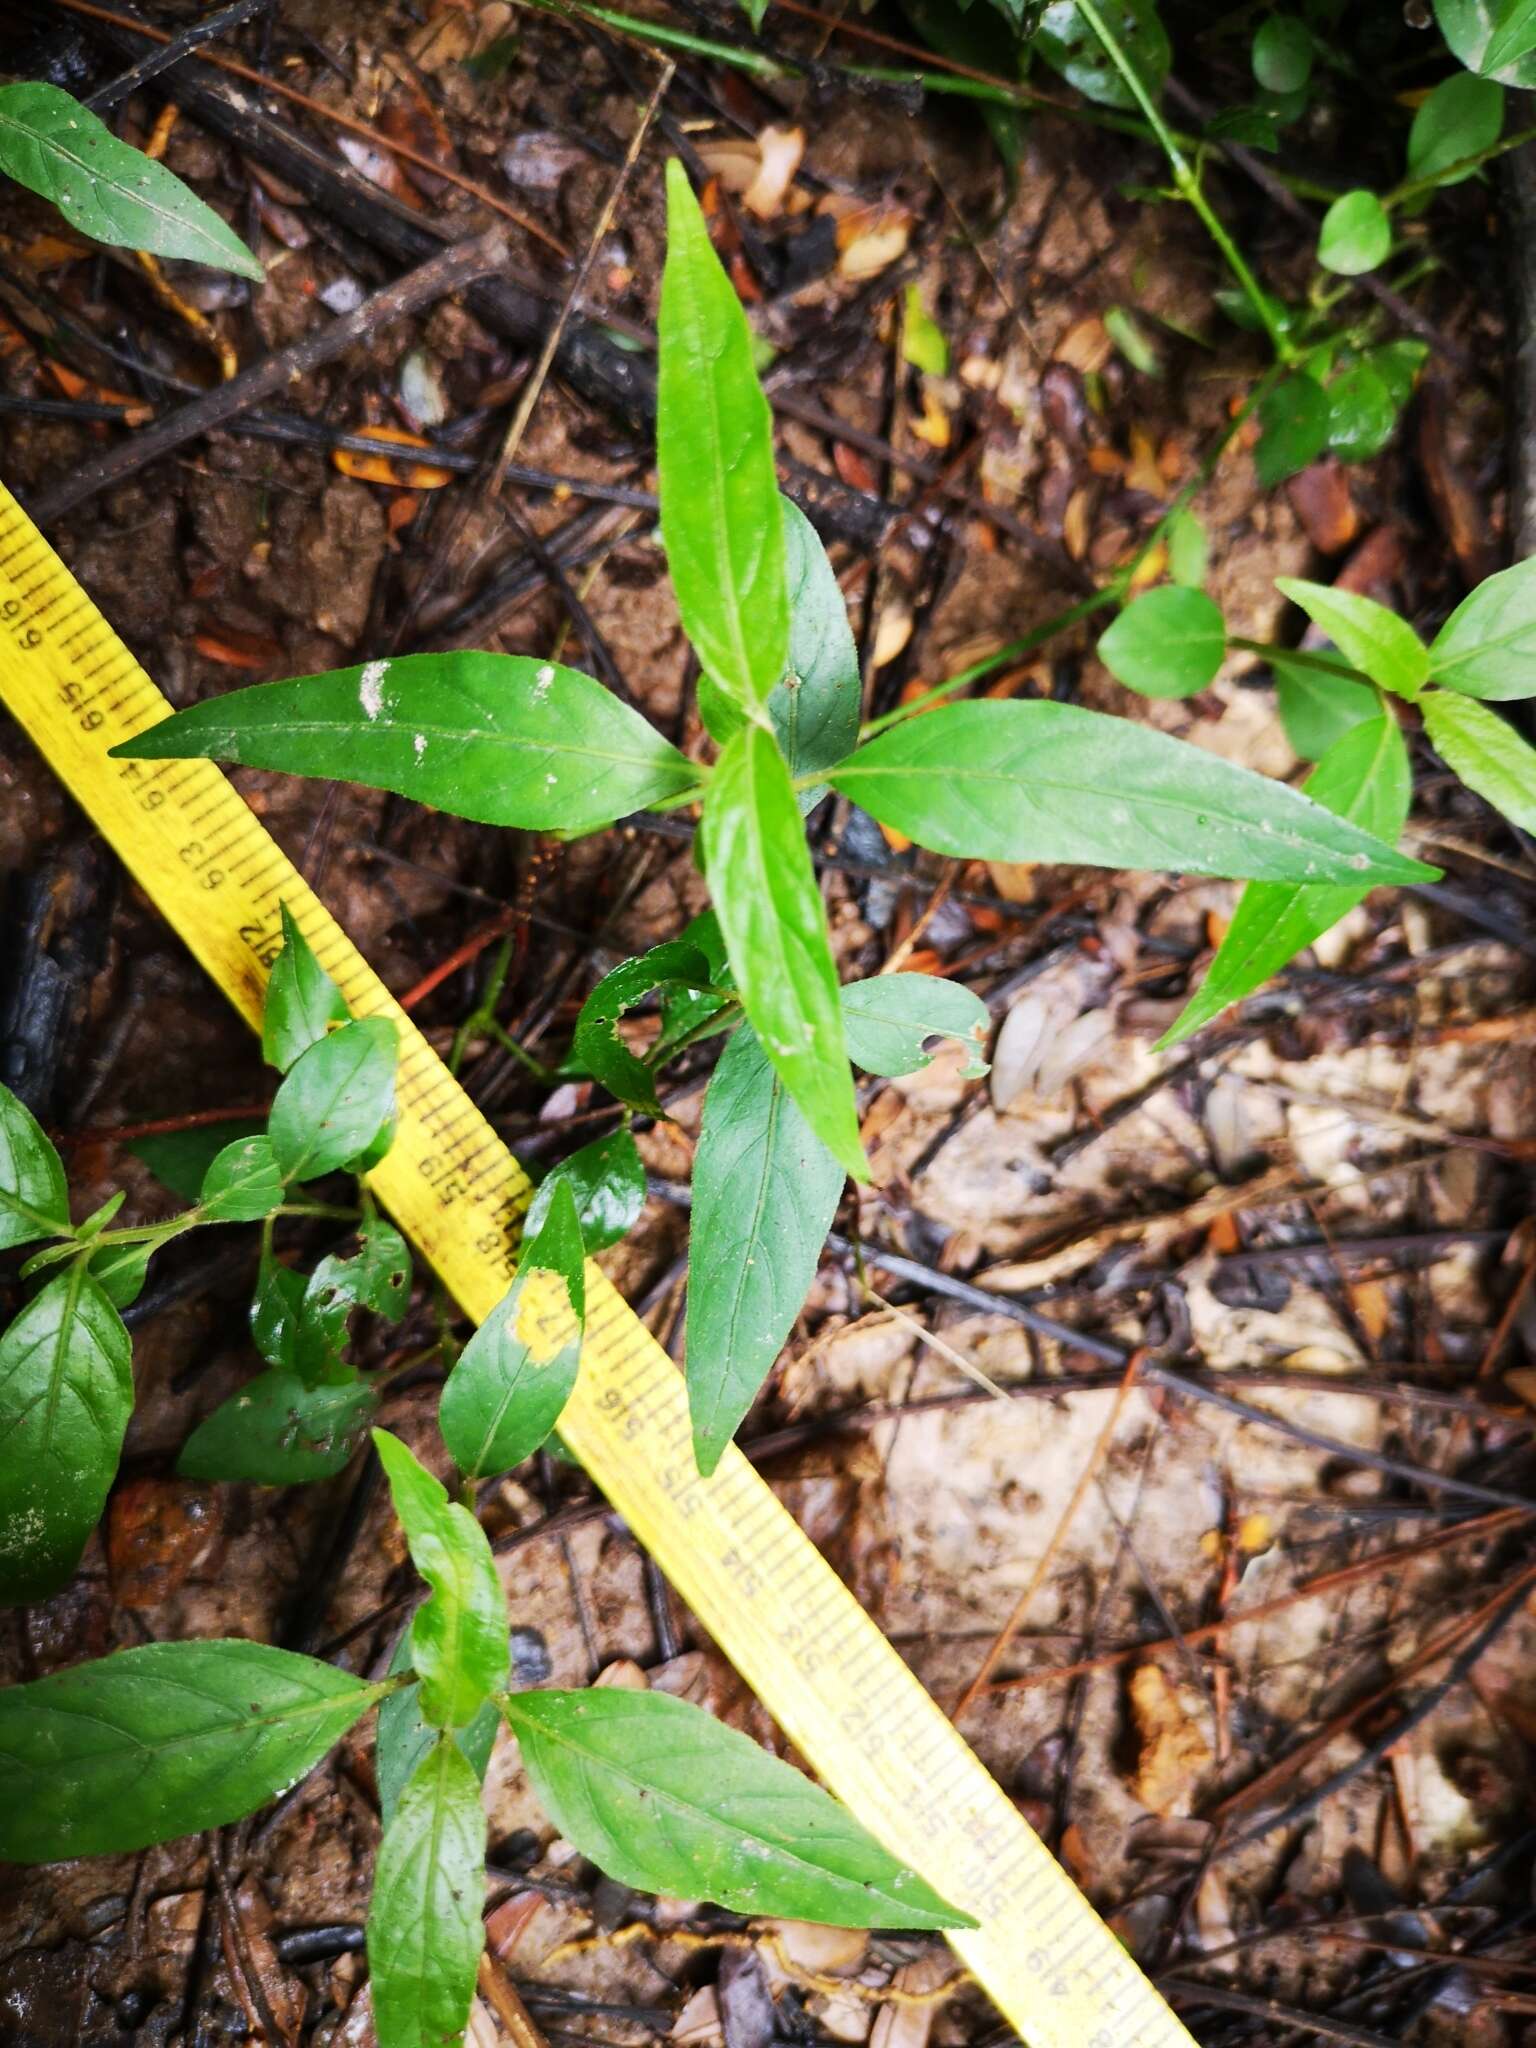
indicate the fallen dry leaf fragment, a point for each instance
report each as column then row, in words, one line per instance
column 1172, row 1752
column 385, row 469
column 780, row 151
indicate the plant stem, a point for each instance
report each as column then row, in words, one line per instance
column 1187, row 182
column 1301, row 657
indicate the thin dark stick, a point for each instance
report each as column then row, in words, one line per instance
column 155, row 61
column 443, row 274
column 1190, row 1991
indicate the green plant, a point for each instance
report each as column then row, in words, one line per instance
column 515, row 741
column 105, row 188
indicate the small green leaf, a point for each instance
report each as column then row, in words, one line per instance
column 661, row 1796
column 720, row 519
column 501, row 1401
column 404, row 1738
column 34, row 1200
column 814, row 709
column 1188, row 549
column 890, row 1017
column 280, row 1431
column 1052, row 782
column 1364, row 776
column 334, row 1099
column 500, row 738
column 315, row 1328
column 460, row 1633
column 242, row 1184
column 607, row 1180
column 1470, row 28
column 1316, row 708
column 120, row 1271
column 765, row 1190
column 1462, row 117
column 1282, row 53
column 1294, row 418
column 302, row 1000
column 1485, row 751
column 1361, row 413
column 1170, row 642
column 1369, row 637
column 1070, row 46
column 1356, row 235
column 181, row 1159
column 276, row 1307
column 425, row 1930
column 1130, row 338
column 770, row 910
column 66, row 1393
column 163, row 1740
column 1487, row 647
column 922, row 339
column 1397, row 364
column 109, row 191
column 596, row 1045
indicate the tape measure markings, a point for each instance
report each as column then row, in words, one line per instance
column 843, row 1696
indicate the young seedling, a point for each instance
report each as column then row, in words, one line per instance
column 514, row 741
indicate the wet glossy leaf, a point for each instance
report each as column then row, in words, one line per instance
column 120, row 1271
column 1485, row 751
column 720, row 518
column 404, row 1738
column 377, row 1278
column 1044, row 781
column 1463, row 116
column 1487, row 647
column 663, row 1797
column 34, row 1201
column 1364, row 776
column 1069, row 45
column 66, row 1393
column 814, row 708
column 59, row 149
column 500, row 738
column 1282, row 53
column 1356, row 234
column 596, row 1045
column 181, row 1159
column 302, row 1000
column 505, row 1394
column 769, row 906
column 1470, row 28
column 1397, row 364
column 1294, row 418
column 425, row 1931
column 459, row 1635
column 1361, row 413
column 280, row 1431
column 242, row 1184
column 163, row 1740
column 1370, row 638
column 1514, row 35
column 607, row 1181
column 334, row 1099
column 1170, row 642
column 890, row 1017
column 765, row 1190
column 275, row 1308
column 1316, row 708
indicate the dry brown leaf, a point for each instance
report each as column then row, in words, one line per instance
column 893, row 631
column 384, row 469
column 1074, row 525
column 934, row 427
column 779, row 151
column 871, row 240
column 1086, row 345
column 1172, row 1752
column 1320, row 498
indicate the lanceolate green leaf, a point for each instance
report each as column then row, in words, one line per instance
column 281, row 1431
column 607, row 1181
column 1317, row 708
column 1487, row 647
column 814, row 708
column 1370, row 638
column 1514, row 36
column 460, row 1634
column 501, row 1401
column 891, row 1016
column 500, row 738
column 34, row 1201
column 663, row 1797
column 720, row 518
column 163, row 1740
column 1042, row 781
column 1471, row 28
column 56, row 147
column 403, row 1738
column 1462, row 116
column 770, row 911
column 1486, row 752
column 302, row 1000
column 765, row 1190
column 66, row 1393
column 334, row 1099
column 425, row 1931
column 1365, row 776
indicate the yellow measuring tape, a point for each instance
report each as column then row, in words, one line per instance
column 831, row 1680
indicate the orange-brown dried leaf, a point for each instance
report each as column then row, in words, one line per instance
column 157, row 1530
column 385, row 469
